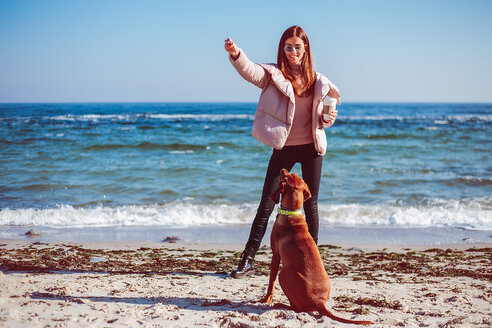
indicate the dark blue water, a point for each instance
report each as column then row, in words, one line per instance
column 190, row 164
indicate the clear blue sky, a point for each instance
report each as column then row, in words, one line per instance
column 160, row 51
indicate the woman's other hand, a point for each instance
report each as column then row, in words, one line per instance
column 331, row 120
column 231, row 47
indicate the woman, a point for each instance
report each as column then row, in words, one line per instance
column 289, row 119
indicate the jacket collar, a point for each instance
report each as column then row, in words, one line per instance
column 321, row 87
column 279, row 80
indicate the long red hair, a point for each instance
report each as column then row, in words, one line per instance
column 308, row 76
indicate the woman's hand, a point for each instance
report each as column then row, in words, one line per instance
column 331, row 120
column 231, row 47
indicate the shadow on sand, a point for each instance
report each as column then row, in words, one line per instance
column 191, row 303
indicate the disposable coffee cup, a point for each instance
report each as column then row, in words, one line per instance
column 329, row 106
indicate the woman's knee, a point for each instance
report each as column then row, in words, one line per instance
column 311, row 206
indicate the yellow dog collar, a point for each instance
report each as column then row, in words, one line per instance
column 289, row 212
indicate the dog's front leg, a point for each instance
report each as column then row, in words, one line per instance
column 274, row 265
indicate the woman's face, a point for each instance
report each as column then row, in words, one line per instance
column 294, row 50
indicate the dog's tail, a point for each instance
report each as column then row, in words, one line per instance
column 323, row 310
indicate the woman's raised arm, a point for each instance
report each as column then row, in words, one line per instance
column 250, row 71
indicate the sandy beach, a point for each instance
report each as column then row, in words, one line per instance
column 187, row 285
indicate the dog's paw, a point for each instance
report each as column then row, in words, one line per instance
column 267, row 299
column 281, row 306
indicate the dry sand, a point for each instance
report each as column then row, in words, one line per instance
column 186, row 285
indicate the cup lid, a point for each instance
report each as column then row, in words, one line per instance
column 329, row 101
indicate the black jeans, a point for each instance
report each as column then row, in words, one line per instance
column 285, row 158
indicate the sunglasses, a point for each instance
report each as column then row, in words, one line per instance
column 297, row 48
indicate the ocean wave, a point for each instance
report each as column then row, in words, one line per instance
column 178, row 214
column 134, row 117
column 472, row 214
column 175, row 147
column 202, row 117
column 131, row 117
column 442, row 120
column 472, row 181
column 91, row 117
column 385, row 136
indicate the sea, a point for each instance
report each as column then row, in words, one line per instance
column 394, row 173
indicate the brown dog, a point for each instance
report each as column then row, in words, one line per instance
column 303, row 277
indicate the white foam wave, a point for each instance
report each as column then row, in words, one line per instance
column 133, row 117
column 202, row 117
column 447, row 214
column 469, row 215
column 173, row 214
column 90, row 117
column 221, row 117
column 437, row 119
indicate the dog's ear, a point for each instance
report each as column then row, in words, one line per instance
column 306, row 192
column 294, row 178
column 276, row 194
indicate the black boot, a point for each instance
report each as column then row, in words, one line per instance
column 245, row 266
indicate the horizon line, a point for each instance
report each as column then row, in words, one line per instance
column 234, row 102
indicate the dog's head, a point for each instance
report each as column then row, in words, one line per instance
column 293, row 189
